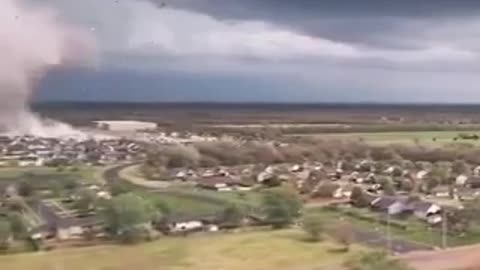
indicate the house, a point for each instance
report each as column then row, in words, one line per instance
column 390, row 204
column 222, row 183
column 174, row 224
column 476, row 171
column 296, row 168
column 265, row 176
column 461, row 180
column 421, row 174
column 75, row 227
column 424, row 210
column 62, row 223
column 466, row 194
column 441, row 192
column 343, row 192
column 473, row 182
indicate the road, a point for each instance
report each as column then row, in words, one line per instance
column 466, row 257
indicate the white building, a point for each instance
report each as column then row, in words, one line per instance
column 125, row 125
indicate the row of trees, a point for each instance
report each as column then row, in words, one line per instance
column 211, row 154
column 13, row 226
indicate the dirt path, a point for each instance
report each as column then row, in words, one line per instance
column 129, row 174
column 467, row 257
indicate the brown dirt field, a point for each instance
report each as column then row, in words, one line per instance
column 467, row 258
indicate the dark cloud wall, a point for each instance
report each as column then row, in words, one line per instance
column 276, row 50
column 365, row 21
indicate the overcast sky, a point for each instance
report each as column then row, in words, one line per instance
column 275, row 50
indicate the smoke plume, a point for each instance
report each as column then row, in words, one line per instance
column 34, row 40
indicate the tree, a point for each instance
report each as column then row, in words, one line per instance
column 70, row 184
column 343, row 234
column 387, row 186
column 281, row 207
column 312, row 224
column 431, row 183
column 232, row 216
column 86, row 200
column 25, row 188
column 5, row 234
column 325, row 190
column 375, row 261
column 440, row 172
column 460, row 167
column 162, row 207
column 359, row 198
column 18, row 225
column 55, row 188
column 181, row 156
column 117, row 188
column 126, row 213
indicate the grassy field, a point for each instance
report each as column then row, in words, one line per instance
column 262, row 250
column 87, row 174
column 403, row 137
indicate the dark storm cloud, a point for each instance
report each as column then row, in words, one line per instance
column 288, row 9
column 370, row 22
column 279, row 50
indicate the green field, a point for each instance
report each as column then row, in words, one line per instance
column 87, row 174
column 402, row 137
column 260, row 250
column 417, row 231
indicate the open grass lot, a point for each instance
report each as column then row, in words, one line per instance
column 184, row 205
column 402, row 137
column 185, row 198
column 87, row 174
column 417, row 231
column 262, row 250
column 190, row 201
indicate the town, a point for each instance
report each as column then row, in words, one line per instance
column 137, row 183
column 202, row 134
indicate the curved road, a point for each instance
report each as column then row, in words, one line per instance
column 112, row 175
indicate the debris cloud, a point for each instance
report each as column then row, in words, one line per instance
column 34, row 40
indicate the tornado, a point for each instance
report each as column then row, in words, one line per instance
column 33, row 40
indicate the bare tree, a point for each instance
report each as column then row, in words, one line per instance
column 343, row 234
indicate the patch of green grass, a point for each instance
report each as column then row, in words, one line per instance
column 184, row 205
column 403, row 137
column 84, row 173
column 233, row 251
column 248, row 198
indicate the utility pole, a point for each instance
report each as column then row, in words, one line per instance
column 444, row 229
column 389, row 235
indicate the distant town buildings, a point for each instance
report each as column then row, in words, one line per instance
column 125, row 125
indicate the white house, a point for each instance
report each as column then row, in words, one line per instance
column 461, row 180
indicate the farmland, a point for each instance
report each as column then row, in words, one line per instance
column 83, row 173
column 249, row 250
column 432, row 138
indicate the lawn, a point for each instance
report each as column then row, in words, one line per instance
column 263, row 250
column 184, row 205
column 87, row 174
column 403, row 137
column 417, row 231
